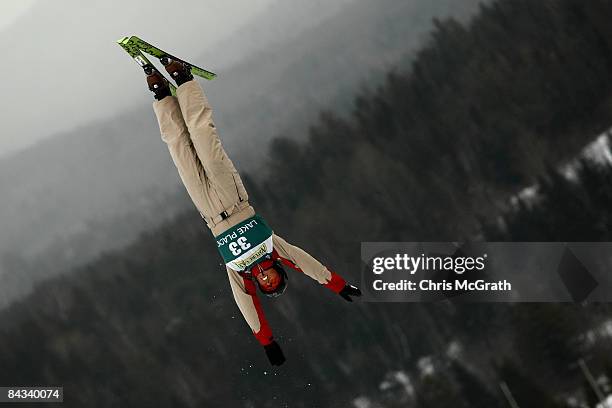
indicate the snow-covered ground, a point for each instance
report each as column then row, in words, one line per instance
column 607, row 403
column 598, row 151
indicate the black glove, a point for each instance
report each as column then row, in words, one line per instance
column 348, row 291
column 274, row 353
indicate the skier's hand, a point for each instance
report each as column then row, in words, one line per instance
column 348, row 291
column 274, row 353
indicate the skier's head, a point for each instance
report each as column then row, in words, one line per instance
column 271, row 277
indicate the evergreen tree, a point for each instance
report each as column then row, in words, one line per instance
column 547, row 336
column 438, row 391
column 591, row 397
column 473, row 390
column 524, row 390
column 484, row 110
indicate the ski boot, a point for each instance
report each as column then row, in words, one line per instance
column 179, row 71
column 157, row 83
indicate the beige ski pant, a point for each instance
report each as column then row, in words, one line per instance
column 215, row 187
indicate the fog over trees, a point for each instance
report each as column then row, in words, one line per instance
column 97, row 187
column 435, row 153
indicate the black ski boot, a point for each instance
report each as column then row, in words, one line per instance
column 178, row 70
column 157, row 83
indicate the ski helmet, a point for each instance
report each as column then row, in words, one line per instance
column 270, row 277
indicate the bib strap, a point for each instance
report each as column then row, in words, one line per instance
column 253, row 271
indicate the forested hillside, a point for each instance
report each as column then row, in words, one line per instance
column 97, row 187
column 433, row 154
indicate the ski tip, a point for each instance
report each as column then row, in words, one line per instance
column 127, row 39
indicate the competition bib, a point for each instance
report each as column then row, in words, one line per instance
column 245, row 244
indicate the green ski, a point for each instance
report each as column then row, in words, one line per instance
column 136, row 46
column 142, row 60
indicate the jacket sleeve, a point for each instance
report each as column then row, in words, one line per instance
column 308, row 264
column 245, row 295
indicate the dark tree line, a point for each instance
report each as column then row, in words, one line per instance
column 434, row 154
column 565, row 209
column 484, row 110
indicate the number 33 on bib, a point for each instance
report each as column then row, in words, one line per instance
column 239, row 246
column 246, row 243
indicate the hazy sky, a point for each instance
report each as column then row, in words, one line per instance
column 62, row 68
column 10, row 10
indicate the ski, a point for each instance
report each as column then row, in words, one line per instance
column 141, row 59
column 132, row 44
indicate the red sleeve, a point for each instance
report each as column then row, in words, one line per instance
column 335, row 283
column 264, row 335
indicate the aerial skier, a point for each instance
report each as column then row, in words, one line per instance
column 254, row 255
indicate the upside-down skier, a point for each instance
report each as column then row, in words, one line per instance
column 253, row 254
